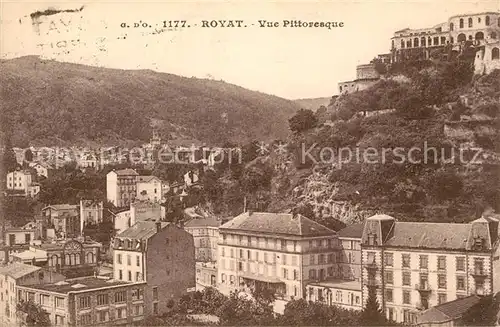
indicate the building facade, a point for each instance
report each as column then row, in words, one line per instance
column 487, row 58
column 161, row 254
column 15, row 274
column 88, row 301
column 281, row 252
column 366, row 76
column 121, row 187
column 19, row 236
column 64, row 219
column 149, row 188
column 91, row 212
column 20, row 182
column 205, row 232
column 418, row 44
column 415, row 266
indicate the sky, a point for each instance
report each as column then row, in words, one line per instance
column 288, row 62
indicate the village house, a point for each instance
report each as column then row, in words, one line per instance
column 43, row 169
column 20, row 183
column 149, row 188
column 160, row 254
column 121, row 187
column 63, row 218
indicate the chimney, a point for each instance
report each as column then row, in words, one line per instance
column 158, row 226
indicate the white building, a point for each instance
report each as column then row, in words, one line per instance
column 20, row 182
column 149, row 188
column 121, row 187
column 41, row 168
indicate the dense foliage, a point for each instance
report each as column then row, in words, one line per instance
column 33, row 314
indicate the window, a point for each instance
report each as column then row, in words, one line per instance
column 441, row 298
column 121, row 313
column 84, row 302
column 424, row 261
column 59, row 302
column 86, row 319
column 295, row 274
column 103, row 315
column 129, row 276
column 389, row 259
column 120, row 297
column 461, row 23
column 451, row 26
column 441, row 263
column 406, row 278
column 155, row 292
column 470, row 22
column 436, row 40
column 493, row 35
column 119, row 258
column 311, row 260
column 102, row 299
column 495, row 54
column 44, row 299
column 120, row 274
column 405, row 261
column 139, row 310
column 487, row 21
column 478, row 266
column 370, row 258
column 285, row 273
column 461, row 283
column 460, row 264
column 389, row 295
column 312, row 274
column 402, row 44
column 443, row 39
column 441, row 281
column 389, row 277
column 406, row 297
column 59, row 320
column 137, row 261
column 137, row 294
column 321, row 259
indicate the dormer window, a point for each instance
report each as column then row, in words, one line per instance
column 478, row 243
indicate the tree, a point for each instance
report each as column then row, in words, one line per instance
column 372, row 314
column 9, row 161
column 33, row 314
column 302, row 121
column 483, row 313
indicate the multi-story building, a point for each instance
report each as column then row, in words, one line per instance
column 122, row 220
column 487, row 58
column 414, row 266
column 64, row 218
column 205, row 232
column 479, row 28
column 144, row 210
column 13, row 275
column 283, row 252
column 149, row 188
column 72, row 258
column 88, row 301
column 161, row 254
column 121, row 187
column 42, row 169
column 206, row 275
column 91, row 212
column 20, row 182
column 350, row 262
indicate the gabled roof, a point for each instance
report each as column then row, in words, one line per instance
column 147, row 179
column 352, row 231
column 62, row 206
column 277, row 223
column 447, row 311
column 142, row 230
column 17, row 270
column 203, row 222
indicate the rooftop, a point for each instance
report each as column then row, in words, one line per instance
column 147, row 179
column 352, row 231
column 277, row 223
column 126, row 172
column 141, row 230
column 79, row 284
column 203, row 222
column 448, row 311
column 17, row 270
column 62, row 206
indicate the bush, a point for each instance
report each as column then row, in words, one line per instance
column 302, row 121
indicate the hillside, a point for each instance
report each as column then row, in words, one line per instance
column 313, row 103
column 48, row 102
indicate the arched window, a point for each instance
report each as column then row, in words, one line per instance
column 422, row 40
column 461, row 23
column 68, row 260
column 408, row 44
column 53, row 260
column 493, row 35
column 392, row 44
column 451, row 39
column 495, row 54
column 451, row 26
column 470, row 22
column 429, row 41
column 77, row 259
column 402, row 43
column 415, row 42
column 470, row 37
column 487, row 21
column 90, row 255
column 479, row 36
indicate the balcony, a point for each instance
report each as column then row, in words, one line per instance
column 479, row 273
column 423, row 287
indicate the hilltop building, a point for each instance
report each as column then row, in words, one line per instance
column 366, row 76
column 20, row 183
column 160, row 254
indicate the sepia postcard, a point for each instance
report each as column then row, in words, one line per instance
column 250, row 163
